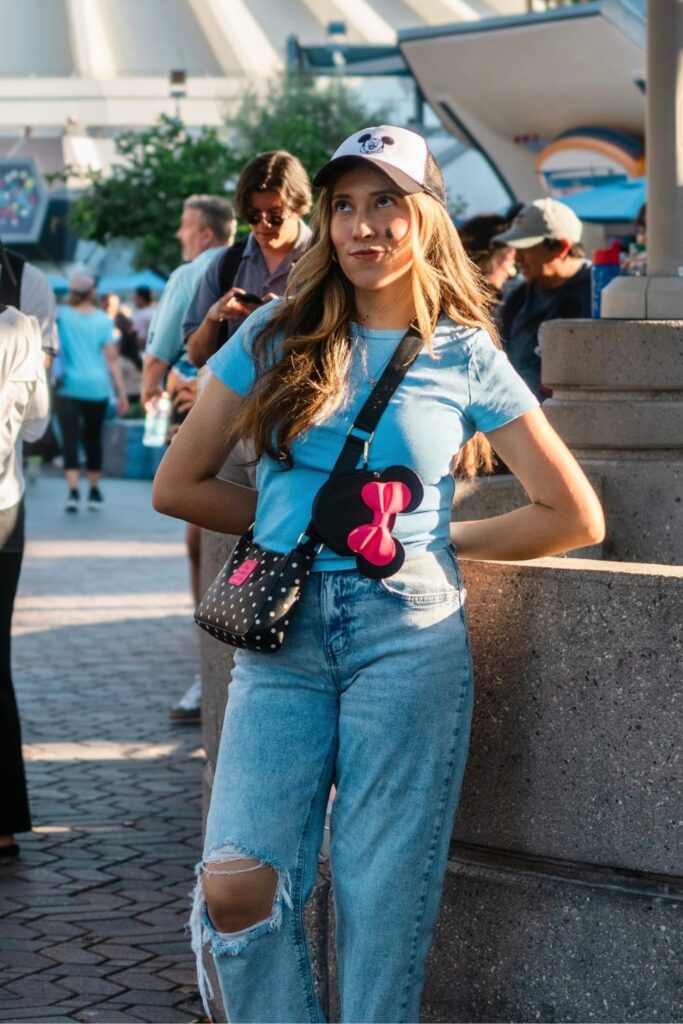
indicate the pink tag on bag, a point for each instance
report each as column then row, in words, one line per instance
column 243, row 572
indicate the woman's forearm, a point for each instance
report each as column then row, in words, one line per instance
column 203, row 342
column 117, row 377
column 214, row 504
column 530, row 532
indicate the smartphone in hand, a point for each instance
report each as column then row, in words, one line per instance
column 249, row 299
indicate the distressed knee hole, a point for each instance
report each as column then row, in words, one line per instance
column 237, row 899
column 240, row 892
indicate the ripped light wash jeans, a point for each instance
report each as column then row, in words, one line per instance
column 372, row 691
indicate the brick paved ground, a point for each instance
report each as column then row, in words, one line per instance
column 92, row 916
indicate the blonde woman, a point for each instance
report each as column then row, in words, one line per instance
column 372, row 689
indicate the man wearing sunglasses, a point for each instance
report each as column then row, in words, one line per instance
column 273, row 193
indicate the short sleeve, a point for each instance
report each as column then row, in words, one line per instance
column 37, row 298
column 207, row 292
column 233, row 363
column 165, row 337
column 497, row 394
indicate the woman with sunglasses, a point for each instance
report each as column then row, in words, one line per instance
column 372, row 688
column 273, row 193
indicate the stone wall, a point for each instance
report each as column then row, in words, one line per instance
column 564, row 880
column 618, row 404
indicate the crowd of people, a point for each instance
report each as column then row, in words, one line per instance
column 281, row 381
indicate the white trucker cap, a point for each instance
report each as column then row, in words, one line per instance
column 403, row 155
column 544, row 218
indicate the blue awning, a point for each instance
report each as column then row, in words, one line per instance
column 129, row 282
column 608, row 204
column 57, row 282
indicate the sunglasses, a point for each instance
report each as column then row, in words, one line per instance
column 273, row 220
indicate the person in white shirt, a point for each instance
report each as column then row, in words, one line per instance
column 24, row 415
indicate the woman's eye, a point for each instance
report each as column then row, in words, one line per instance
column 384, row 201
column 341, row 206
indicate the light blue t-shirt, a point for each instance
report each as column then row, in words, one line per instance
column 165, row 338
column 82, row 337
column 438, row 406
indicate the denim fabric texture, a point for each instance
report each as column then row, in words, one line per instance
column 372, row 691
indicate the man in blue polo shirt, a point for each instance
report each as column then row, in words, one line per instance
column 207, row 226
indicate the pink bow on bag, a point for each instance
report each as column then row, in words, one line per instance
column 373, row 540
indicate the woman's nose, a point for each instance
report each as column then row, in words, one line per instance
column 362, row 226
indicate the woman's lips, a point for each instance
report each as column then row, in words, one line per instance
column 367, row 254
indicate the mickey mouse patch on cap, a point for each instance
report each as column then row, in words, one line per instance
column 369, row 143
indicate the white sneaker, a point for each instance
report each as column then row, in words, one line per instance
column 189, row 707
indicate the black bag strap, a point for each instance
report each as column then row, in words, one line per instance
column 230, row 261
column 11, row 271
column 369, row 416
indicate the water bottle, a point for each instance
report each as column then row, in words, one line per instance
column 156, row 422
column 606, row 266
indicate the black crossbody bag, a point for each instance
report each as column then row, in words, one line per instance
column 252, row 600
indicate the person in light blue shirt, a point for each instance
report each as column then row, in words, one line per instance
column 371, row 690
column 207, row 226
column 88, row 366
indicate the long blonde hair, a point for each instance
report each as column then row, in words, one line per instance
column 304, row 377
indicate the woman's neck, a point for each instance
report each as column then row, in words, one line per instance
column 386, row 308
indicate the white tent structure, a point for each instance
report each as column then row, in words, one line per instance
column 105, row 64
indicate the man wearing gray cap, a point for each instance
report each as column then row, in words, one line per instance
column 546, row 236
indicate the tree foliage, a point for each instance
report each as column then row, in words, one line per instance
column 141, row 199
column 299, row 115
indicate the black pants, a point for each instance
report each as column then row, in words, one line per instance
column 81, row 420
column 14, row 810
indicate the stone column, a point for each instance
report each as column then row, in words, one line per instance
column 618, row 403
column 659, row 296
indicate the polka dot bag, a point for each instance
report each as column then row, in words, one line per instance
column 252, row 600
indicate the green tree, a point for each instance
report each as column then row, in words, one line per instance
column 300, row 115
column 141, row 199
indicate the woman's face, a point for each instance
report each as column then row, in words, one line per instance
column 370, row 229
column 503, row 266
column 264, row 208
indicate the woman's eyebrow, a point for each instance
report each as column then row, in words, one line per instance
column 373, row 192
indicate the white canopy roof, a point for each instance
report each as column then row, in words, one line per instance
column 106, row 63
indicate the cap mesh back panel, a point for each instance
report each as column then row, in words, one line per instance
column 433, row 182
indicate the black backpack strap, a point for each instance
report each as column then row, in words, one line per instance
column 230, row 261
column 11, row 272
column 369, row 416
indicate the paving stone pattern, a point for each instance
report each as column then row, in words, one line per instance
column 93, row 915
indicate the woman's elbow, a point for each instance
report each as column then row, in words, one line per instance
column 164, row 497
column 590, row 520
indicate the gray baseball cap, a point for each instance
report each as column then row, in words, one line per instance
column 81, row 283
column 544, row 218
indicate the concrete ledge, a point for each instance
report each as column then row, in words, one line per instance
column 520, row 946
column 617, row 421
column 575, row 739
column 613, row 354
